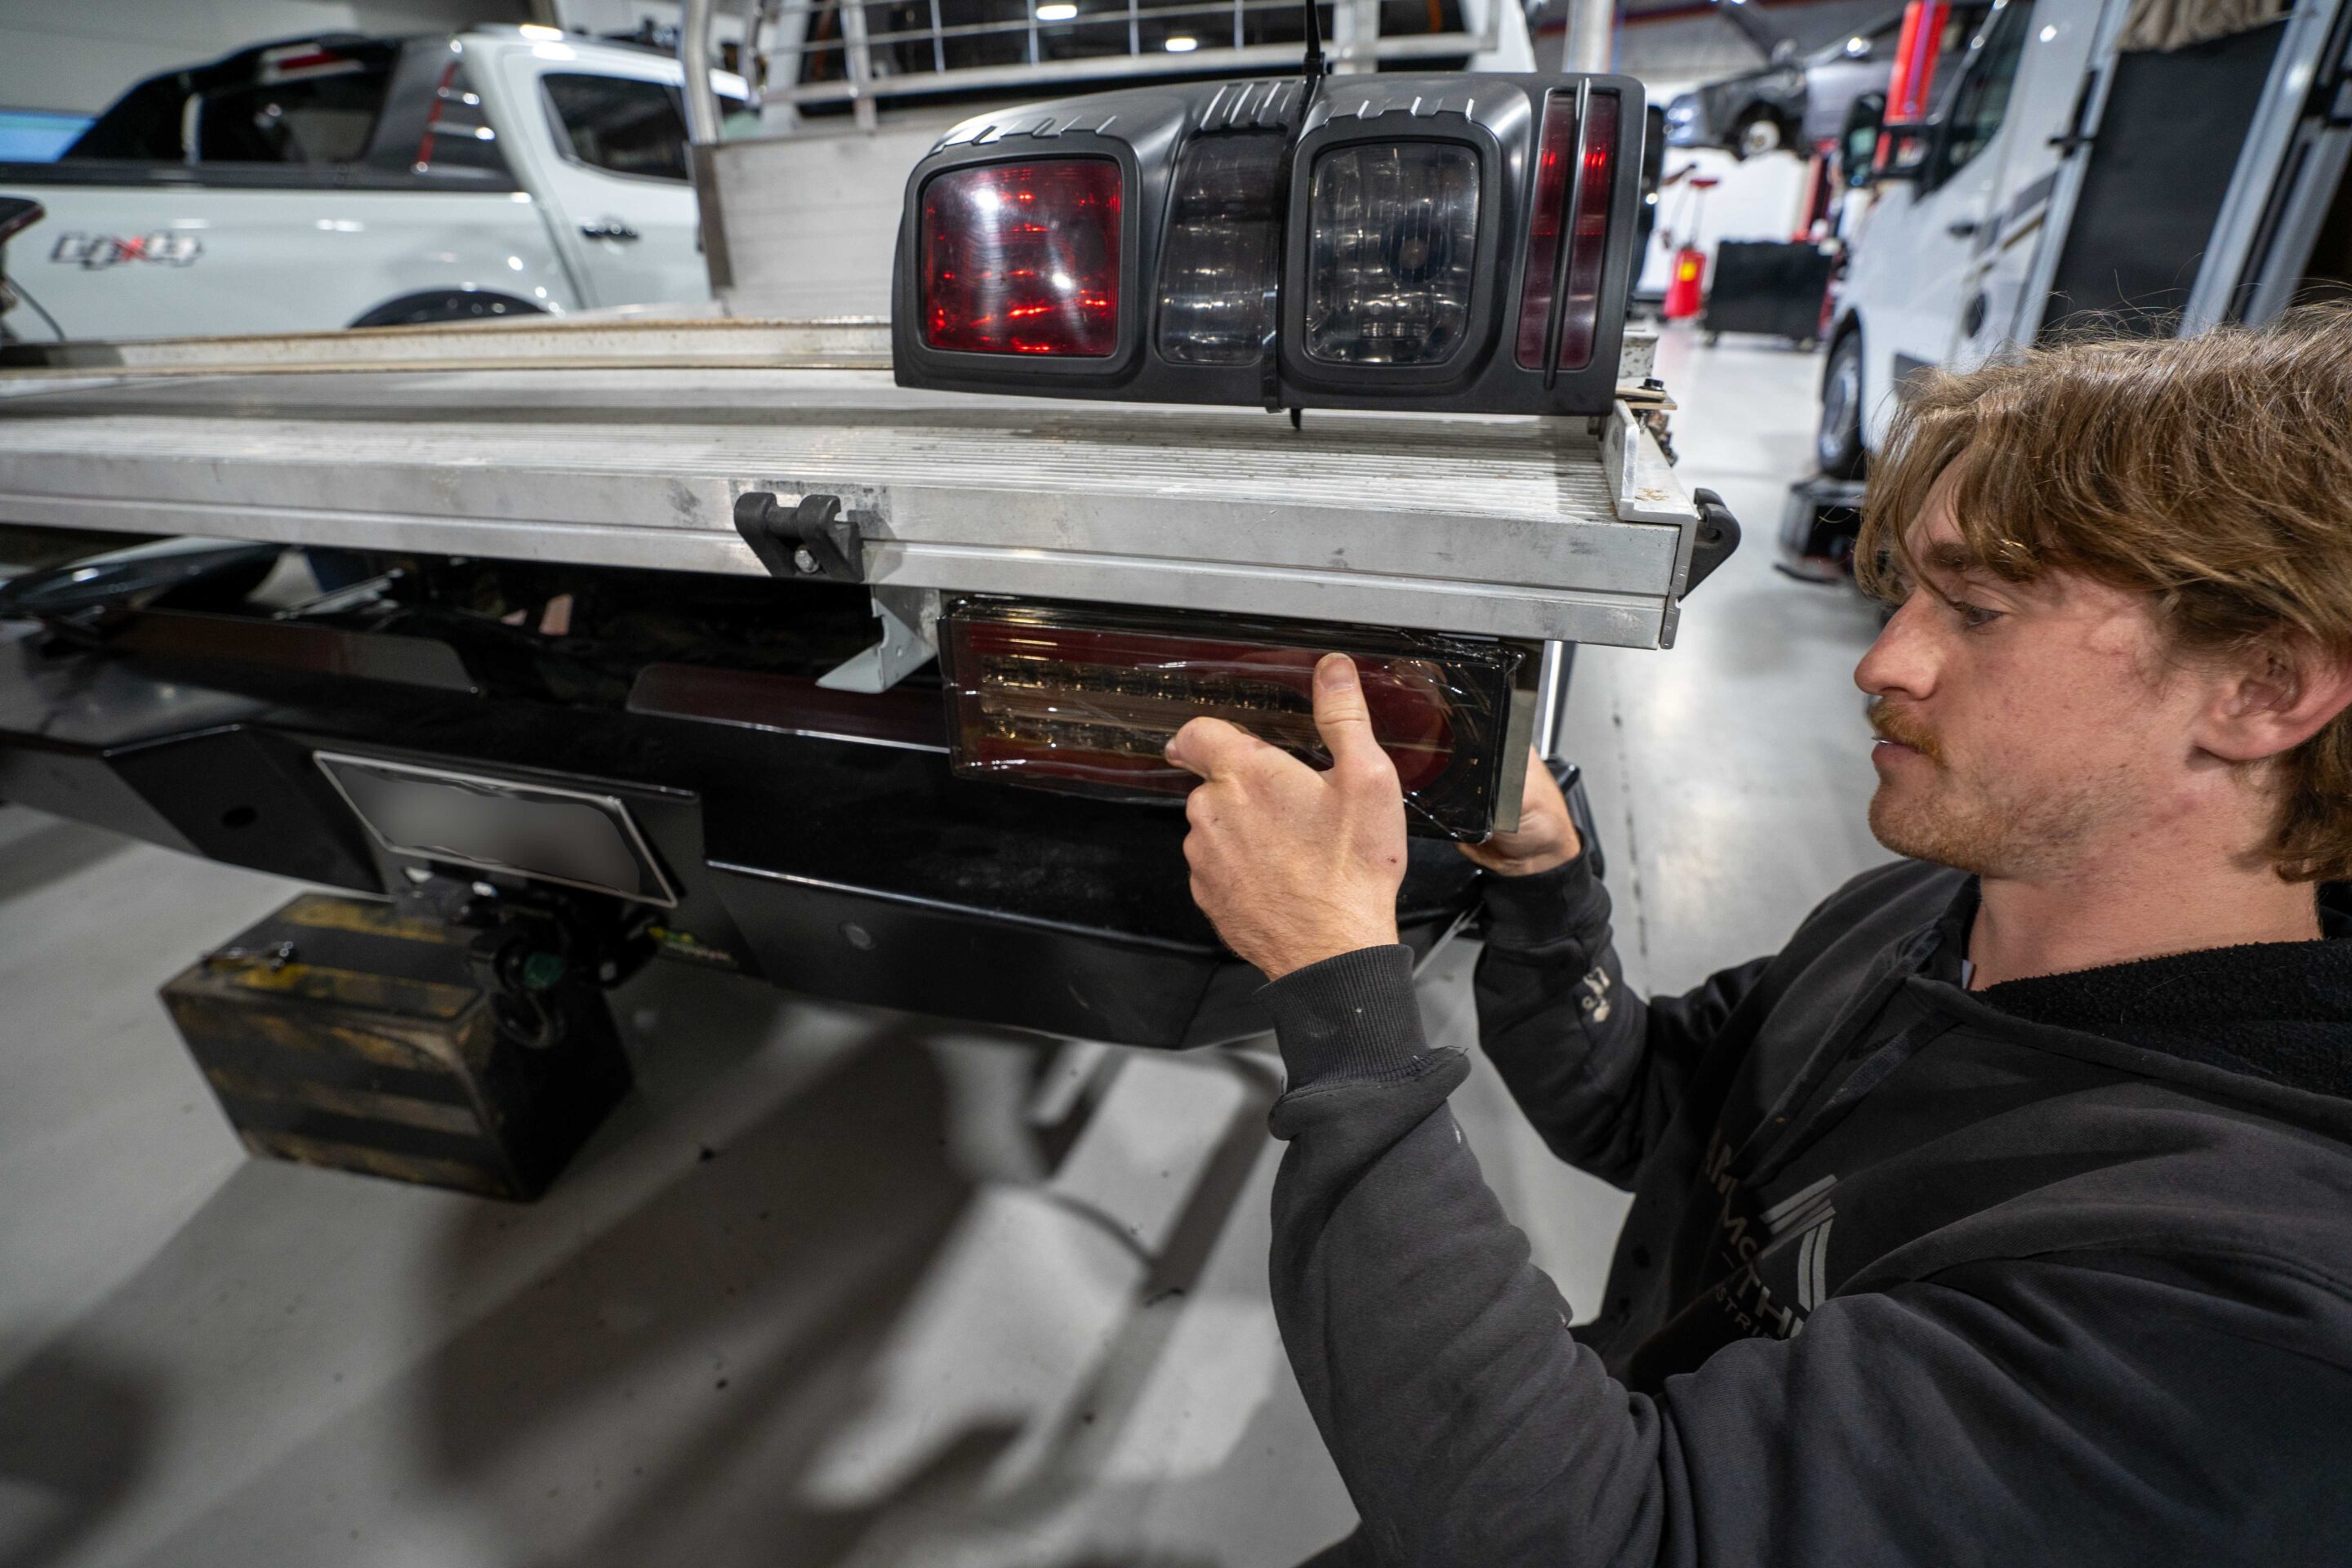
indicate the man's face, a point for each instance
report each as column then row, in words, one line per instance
column 2023, row 728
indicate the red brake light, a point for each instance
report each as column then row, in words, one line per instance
column 1086, row 702
column 1023, row 257
column 1589, row 190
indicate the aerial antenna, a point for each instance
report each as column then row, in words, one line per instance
column 1312, row 69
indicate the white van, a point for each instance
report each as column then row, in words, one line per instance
column 2078, row 171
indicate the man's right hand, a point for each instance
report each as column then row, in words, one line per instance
column 1545, row 837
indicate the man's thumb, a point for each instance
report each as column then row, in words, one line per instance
column 1340, row 716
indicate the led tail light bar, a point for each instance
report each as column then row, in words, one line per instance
column 1454, row 241
column 1086, row 700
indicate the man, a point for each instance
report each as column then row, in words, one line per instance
column 2006, row 1215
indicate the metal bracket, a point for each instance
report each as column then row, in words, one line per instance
column 1718, row 536
column 911, row 636
column 814, row 539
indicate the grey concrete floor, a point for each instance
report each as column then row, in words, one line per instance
column 834, row 1285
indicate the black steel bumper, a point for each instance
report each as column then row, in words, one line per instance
column 842, row 868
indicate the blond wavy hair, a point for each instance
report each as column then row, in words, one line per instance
column 2213, row 474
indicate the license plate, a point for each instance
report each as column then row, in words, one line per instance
column 575, row 837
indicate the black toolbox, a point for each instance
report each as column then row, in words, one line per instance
column 1769, row 287
column 349, row 1032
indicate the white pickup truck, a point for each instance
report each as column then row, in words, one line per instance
column 345, row 180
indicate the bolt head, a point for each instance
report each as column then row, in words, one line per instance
column 805, row 562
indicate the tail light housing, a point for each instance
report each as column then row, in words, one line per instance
column 1086, row 700
column 1023, row 258
column 1454, row 242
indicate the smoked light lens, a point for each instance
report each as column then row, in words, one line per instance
column 1022, row 259
column 1217, row 271
column 1086, row 702
column 1392, row 241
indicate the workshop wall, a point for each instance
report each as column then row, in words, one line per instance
column 78, row 58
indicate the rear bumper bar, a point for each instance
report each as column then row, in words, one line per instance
column 855, row 868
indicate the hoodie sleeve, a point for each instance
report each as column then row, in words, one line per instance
column 2011, row 1411
column 1597, row 1071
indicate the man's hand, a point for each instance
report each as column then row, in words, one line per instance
column 1293, row 866
column 1545, row 838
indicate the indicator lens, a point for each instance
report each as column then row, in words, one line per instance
column 1588, row 246
column 1555, row 158
column 1022, row 259
column 1086, row 702
column 1554, row 148
column 1216, row 275
column 1393, row 240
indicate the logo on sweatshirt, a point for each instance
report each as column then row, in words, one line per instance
column 1595, row 1003
column 96, row 252
column 1753, row 1242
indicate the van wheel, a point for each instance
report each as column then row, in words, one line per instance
column 1757, row 132
column 1837, row 441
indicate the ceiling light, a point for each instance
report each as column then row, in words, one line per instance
column 1181, row 44
column 1857, row 45
column 1056, row 12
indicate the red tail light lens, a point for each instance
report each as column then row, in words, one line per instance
column 1559, row 182
column 1086, row 702
column 1022, row 259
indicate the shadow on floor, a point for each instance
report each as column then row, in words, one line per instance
column 75, row 1433
column 664, row 1389
column 50, row 850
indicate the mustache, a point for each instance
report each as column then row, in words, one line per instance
column 1898, row 725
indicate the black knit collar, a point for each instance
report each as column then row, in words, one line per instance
column 2280, row 1011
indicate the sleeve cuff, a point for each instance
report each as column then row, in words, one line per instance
column 1534, row 912
column 1352, row 1016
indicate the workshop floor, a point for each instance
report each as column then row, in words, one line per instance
column 835, row 1286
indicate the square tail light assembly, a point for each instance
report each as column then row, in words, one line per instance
column 1086, row 700
column 1451, row 242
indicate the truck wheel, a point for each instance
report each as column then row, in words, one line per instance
column 448, row 305
column 1837, row 441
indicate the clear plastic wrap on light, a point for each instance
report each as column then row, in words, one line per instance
column 1392, row 239
column 1217, row 271
column 1086, row 700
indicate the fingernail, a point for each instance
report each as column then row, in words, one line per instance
column 1337, row 672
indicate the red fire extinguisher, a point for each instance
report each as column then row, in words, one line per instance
column 1686, row 289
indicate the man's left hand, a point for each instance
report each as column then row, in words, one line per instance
column 1293, row 866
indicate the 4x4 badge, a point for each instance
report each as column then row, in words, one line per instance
column 92, row 252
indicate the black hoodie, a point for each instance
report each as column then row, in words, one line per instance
column 2059, row 1271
